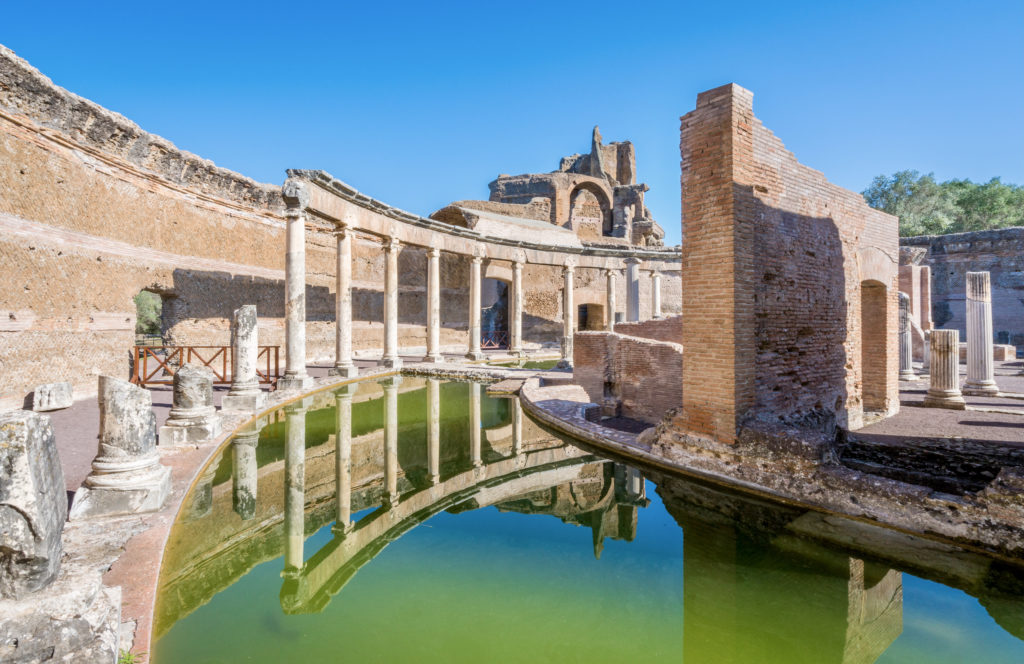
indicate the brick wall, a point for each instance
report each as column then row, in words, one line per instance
column 660, row 329
column 775, row 257
column 639, row 376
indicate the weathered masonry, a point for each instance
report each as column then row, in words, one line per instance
column 94, row 210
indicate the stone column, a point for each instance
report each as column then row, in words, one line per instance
column 391, row 358
column 295, row 377
column 474, row 425
column 434, row 429
column 391, row 441
column 343, row 459
column 434, row 306
column 655, row 294
column 245, row 394
column 609, row 323
column 34, row 504
column 192, row 418
column 568, row 315
column 126, row 476
column 245, row 469
column 517, row 427
column 944, row 387
column 926, row 363
column 632, row 290
column 980, row 369
column 343, row 365
column 516, row 340
column 906, row 343
column 295, row 486
column 474, row 310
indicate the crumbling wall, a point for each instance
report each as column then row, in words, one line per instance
column 951, row 257
column 659, row 329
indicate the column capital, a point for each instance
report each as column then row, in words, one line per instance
column 433, row 252
column 296, row 196
column 477, row 260
column 391, row 243
column 341, row 230
column 517, row 266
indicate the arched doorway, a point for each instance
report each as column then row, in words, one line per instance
column 589, row 208
column 874, row 335
column 494, row 313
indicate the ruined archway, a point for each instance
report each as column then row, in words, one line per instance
column 590, row 211
column 874, row 334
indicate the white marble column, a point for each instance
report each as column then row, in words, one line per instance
column 610, row 305
column 391, row 359
column 474, row 309
column 980, row 366
column 568, row 315
column 343, row 460
column 245, row 470
column 245, row 394
column 944, row 387
column 295, row 376
column 632, row 290
column 474, row 425
column 391, row 496
column 434, row 429
column 343, row 365
column 434, row 306
column 655, row 294
column 516, row 340
column 295, row 486
column 905, row 345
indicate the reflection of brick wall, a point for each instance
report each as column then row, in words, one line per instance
column 660, row 329
column 642, row 375
column 775, row 256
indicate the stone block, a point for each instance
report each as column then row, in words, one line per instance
column 193, row 418
column 33, row 503
column 52, row 396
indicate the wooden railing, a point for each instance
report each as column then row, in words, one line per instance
column 155, row 365
column 494, row 339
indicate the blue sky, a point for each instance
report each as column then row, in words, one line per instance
column 419, row 104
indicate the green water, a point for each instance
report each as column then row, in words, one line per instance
column 536, row 365
column 477, row 536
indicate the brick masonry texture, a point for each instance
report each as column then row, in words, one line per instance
column 632, row 371
column 774, row 260
column 660, row 329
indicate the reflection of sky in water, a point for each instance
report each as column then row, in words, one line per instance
column 486, row 585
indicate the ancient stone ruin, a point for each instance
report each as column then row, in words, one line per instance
column 192, row 418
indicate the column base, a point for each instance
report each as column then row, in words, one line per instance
column 243, row 402
column 392, row 362
column 981, row 389
column 516, row 352
column 146, row 494
column 950, row 399
column 196, row 432
column 433, row 359
column 344, row 370
column 908, row 374
column 475, row 355
column 295, row 382
column 342, row 530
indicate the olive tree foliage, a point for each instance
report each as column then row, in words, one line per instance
column 148, row 307
column 928, row 207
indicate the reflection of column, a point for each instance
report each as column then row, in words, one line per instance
column 474, row 309
column 343, row 459
column 474, row 425
column 517, row 427
column 202, row 494
column 568, row 315
column 516, row 341
column 391, row 359
column 343, row 365
column 632, row 290
column 905, row 346
column 980, row 370
column 245, row 470
column 295, row 485
column 944, row 388
column 391, row 440
column 434, row 429
column 433, row 306
column 295, row 376
column 655, row 294
column 610, row 301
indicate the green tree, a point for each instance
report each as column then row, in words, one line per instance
column 148, row 308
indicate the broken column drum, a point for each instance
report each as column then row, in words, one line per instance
column 944, row 389
column 192, row 418
column 245, row 394
column 980, row 370
column 906, row 342
column 126, row 476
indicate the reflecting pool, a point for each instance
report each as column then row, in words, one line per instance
column 424, row 521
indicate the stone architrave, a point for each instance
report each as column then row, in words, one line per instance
column 980, row 366
column 245, row 394
column 944, row 387
column 126, row 477
column 33, row 505
column 906, row 342
column 52, row 396
column 192, row 419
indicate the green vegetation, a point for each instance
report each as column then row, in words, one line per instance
column 928, row 207
column 147, row 311
column 128, row 657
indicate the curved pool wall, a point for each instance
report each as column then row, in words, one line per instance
column 456, row 556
